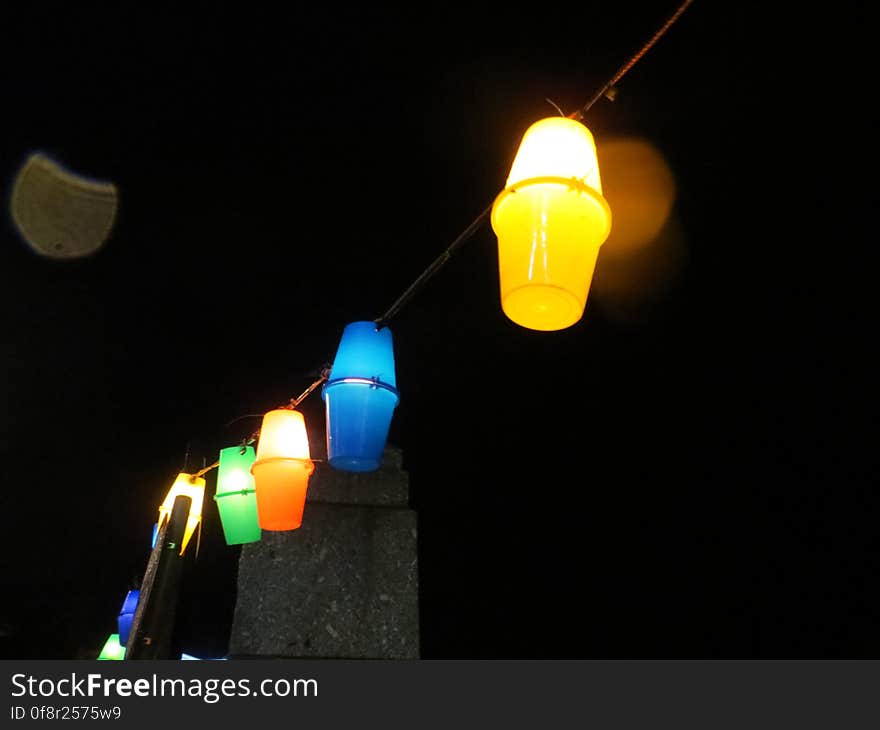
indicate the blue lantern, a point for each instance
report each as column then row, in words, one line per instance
column 126, row 615
column 360, row 397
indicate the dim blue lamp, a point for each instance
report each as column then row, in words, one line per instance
column 360, row 397
column 126, row 615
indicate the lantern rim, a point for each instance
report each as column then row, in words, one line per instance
column 236, row 493
column 572, row 183
column 307, row 464
column 369, row 382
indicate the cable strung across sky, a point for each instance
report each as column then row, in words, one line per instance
column 553, row 194
column 478, row 222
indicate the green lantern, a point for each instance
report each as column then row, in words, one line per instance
column 236, row 497
column 112, row 650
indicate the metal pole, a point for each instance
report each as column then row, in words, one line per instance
column 152, row 627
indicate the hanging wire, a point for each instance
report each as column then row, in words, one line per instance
column 471, row 230
column 241, row 418
column 294, row 402
column 608, row 88
column 291, row 404
column 186, row 457
column 204, row 471
column 555, row 106
column 435, row 266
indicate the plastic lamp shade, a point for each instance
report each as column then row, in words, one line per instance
column 112, row 650
column 550, row 221
column 126, row 615
column 189, row 486
column 282, row 470
column 360, row 397
column 236, row 496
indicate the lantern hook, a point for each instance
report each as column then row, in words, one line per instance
column 555, row 106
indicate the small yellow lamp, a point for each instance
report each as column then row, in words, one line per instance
column 282, row 470
column 188, row 486
column 550, row 220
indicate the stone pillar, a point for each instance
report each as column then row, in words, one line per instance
column 345, row 584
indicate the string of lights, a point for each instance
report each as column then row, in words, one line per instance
column 468, row 233
column 294, row 402
column 265, row 488
column 608, row 90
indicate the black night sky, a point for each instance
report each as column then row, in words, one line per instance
column 688, row 472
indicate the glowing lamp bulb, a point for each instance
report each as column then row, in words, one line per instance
column 281, row 470
column 550, row 220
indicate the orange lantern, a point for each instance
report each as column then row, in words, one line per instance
column 282, row 470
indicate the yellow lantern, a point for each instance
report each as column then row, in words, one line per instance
column 282, row 470
column 550, row 220
column 189, row 486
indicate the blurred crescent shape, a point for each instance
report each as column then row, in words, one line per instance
column 59, row 214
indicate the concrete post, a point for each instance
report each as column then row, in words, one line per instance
column 345, row 584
